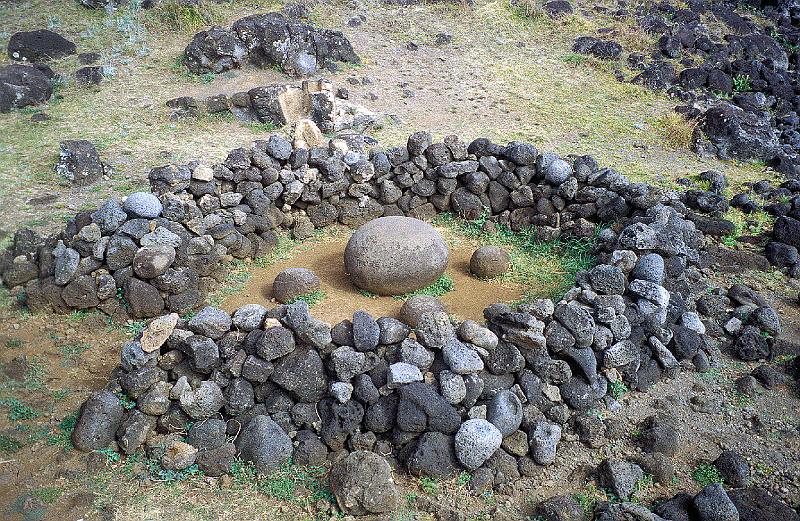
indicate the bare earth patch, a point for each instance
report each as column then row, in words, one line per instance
column 468, row 299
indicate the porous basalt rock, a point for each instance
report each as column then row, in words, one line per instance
column 266, row 40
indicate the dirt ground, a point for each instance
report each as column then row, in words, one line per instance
column 469, row 297
column 504, row 76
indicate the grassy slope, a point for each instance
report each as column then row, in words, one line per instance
column 515, row 78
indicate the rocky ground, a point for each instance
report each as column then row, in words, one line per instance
column 503, row 75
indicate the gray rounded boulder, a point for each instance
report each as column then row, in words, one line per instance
column 488, row 262
column 395, row 255
column 142, row 204
column 294, row 282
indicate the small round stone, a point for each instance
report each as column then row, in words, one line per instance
column 489, row 262
column 395, row 255
column 294, row 282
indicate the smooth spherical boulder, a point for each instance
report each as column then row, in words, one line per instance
column 488, row 262
column 395, row 255
column 294, row 282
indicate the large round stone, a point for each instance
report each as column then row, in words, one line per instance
column 395, row 255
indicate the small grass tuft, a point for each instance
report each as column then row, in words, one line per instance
column 642, row 487
column 756, row 223
column 190, row 18
column 9, row 445
column 589, row 497
column 617, row 389
column 62, row 436
column 18, row 411
column 126, row 401
column 14, row 343
column 441, row 287
column 72, row 351
column 297, row 483
column 547, row 268
column 706, row 474
column 35, row 374
column 574, row 58
column 48, row 495
column 741, row 83
column 312, row 298
column 676, row 130
column 429, row 485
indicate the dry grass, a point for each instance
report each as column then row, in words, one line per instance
column 518, row 82
column 178, row 16
column 676, row 129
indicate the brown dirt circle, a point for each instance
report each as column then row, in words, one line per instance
column 469, row 297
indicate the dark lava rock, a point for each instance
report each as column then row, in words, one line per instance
column 302, row 374
column 362, row 484
column 90, row 75
column 266, row 40
column 433, row 456
column 734, row 469
column 22, row 86
column 658, row 435
column 79, row 162
column 40, row 45
column 756, row 504
column 751, row 345
column 98, row 420
column 264, row 443
column 732, row 133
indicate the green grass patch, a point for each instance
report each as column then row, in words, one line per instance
column 235, row 280
column 741, row 83
column 190, row 18
column 642, row 487
column 35, row 374
column 48, row 495
column 14, row 343
column 9, row 445
column 262, row 127
column 574, row 58
column 297, row 483
column 62, row 435
column 441, row 287
column 18, row 411
column 706, row 474
column 126, row 401
column 134, row 327
column 78, row 315
column 756, row 223
column 312, row 298
column 617, row 389
column 429, row 485
column 589, row 497
column 368, row 294
column 72, row 351
column 544, row 268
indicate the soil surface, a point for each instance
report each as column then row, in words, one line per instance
column 469, row 297
column 504, row 76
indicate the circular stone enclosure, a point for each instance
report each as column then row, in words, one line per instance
column 395, row 255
